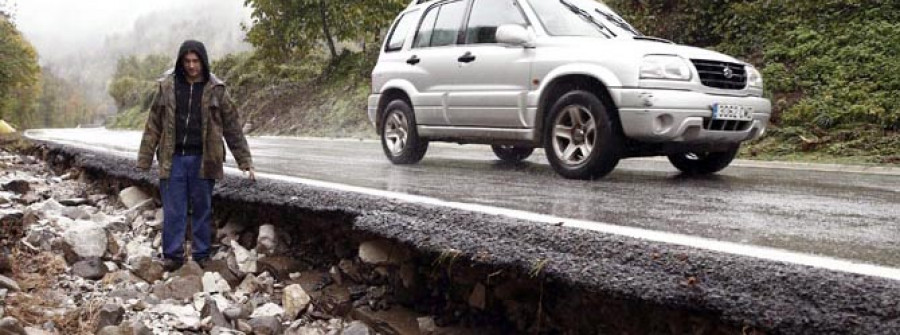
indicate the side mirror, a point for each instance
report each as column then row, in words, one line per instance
column 514, row 34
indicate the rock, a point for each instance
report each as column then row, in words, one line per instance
column 190, row 268
column 17, row 186
column 246, row 260
column 233, row 313
column 40, row 238
column 213, row 283
column 382, row 252
column 426, row 325
column 356, row 328
column 111, row 330
column 73, row 202
column 146, row 269
column 477, row 297
column 187, row 316
column 28, row 199
column 244, row 327
column 125, row 294
column 224, row 331
column 302, row 330
column 266, row 241
column 5, row 263
column 10, row 326
column 211, row 310
column 133, row 197
column 9, row 284
column 179, row 288
column 83, row 240
column 230, row 232
column 269, row 309
column 335, row 273
column 265, row 325
column 117, row 223
column 76, row 213
column 350, row 269
column 139, row 328
column 110, row 315
column 221, row 267
column 91, row 268
column 294, row 300
column 49, row 206
column 137, row 249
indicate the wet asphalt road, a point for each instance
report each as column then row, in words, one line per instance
column 847, row 215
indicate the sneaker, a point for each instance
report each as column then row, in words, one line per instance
column 170, row 265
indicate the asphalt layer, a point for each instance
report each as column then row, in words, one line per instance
column 770, row 296
column 838, row 212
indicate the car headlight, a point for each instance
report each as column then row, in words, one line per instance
column 665, row 67
column 754, row 78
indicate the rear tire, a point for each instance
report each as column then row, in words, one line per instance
column 703, row 163
column 399, row 137
column 512, row 153
column 579, row 137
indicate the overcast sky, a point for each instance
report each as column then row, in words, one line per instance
column 53, row 24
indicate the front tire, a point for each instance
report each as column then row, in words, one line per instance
column 703, row 163
column 579, row 137
column 399, row 137
column 512, row 153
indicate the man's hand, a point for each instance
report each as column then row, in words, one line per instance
column 252, row 173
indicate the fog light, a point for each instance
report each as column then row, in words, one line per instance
column 663, row 123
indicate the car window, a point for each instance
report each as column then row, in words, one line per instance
column 401, row 30
column 446, row 26
column 426, row 28
column 487, row 15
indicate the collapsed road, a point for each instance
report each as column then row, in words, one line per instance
column 537, row 277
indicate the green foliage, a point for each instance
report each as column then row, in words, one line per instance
column 61, row 103
column 19, row 76
column 286, row 30
column 134, row 82
column 831, row 66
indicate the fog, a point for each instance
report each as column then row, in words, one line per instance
column 81, row 41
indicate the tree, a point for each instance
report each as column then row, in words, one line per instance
column 19, row 75
column 290, row 29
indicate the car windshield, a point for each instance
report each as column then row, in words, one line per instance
column 581, row 18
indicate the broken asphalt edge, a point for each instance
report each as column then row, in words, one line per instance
column 743, row 292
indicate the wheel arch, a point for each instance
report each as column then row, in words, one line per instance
column 566, row 82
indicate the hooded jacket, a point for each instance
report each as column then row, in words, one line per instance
column 188, row 99
column 218, row 118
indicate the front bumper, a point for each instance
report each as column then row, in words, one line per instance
column 660, row 115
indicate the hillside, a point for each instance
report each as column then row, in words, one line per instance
column 830, row 66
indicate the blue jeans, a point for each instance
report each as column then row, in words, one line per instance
column 185, row 187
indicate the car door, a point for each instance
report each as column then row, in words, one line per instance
column 493, row 79
column 433, row 60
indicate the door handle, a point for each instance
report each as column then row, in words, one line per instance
column 468, row 57
column 413, row 60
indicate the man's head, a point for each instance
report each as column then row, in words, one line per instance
column 192, row 63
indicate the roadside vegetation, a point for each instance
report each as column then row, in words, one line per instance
column 31, row 96
column 830, row 66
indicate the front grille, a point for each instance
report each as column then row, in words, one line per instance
column 713, row 74
column 725, row 125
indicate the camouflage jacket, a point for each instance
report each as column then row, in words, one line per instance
column 220, row 120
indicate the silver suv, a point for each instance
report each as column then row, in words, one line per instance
column 570, row 76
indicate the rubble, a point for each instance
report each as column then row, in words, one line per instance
column 105, row 243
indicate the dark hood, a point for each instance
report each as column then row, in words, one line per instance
column 197, row 47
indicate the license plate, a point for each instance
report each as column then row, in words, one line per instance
column 732, row 112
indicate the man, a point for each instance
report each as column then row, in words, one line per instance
column 188, row 118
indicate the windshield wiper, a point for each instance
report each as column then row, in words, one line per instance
column 618, row 22
column 589, row 18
